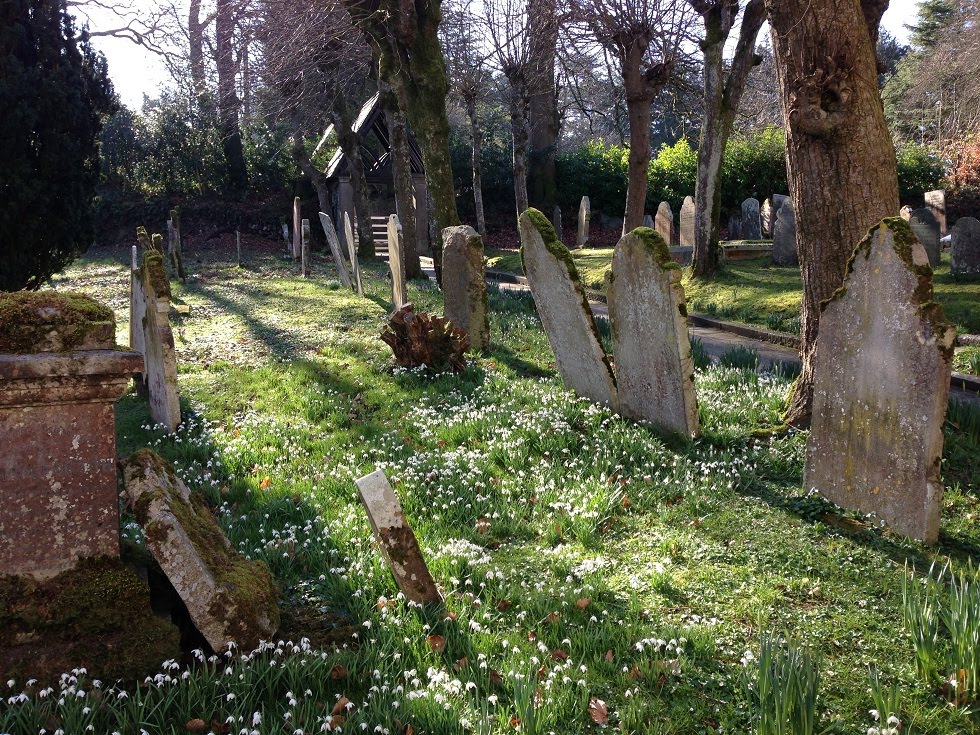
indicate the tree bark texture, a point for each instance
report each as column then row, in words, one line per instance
column 195, row 36
column 839, row 155
column 476, row 143
column 518, row 129
column 544, row 121
column 350, row 144
column 228, row 103
column 315, row 175
column 401, row 166
column 638, row 100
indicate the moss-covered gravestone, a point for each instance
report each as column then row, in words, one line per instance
column 654, row 367
column 881, row 384
column 60, row 375
column 338, row 258
column 150, row 333
column 564, row 311
column 228, row 597
column 464, row 284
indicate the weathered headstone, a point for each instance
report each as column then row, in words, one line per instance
column 751, row 220
column 735, row 226
column 352, row 247
column 297, row 228
column 137, row 305
column 881, row 382
column 176, row 244
column 778, row 200
column 397, row 540
column 285, row 236
column 765, row 215
column 60, row 376
column 556, row 219
column 464, row 285
column 926, row 230
column 648, row 221
column 651, row 346
column 665, row 222
column 304, row 267
column 229, row 598
column 905, row 213
column 936, row 203
column 564, row 311
column 160, row 371
column 687, row 222
column 396, row 262
column 965, row 247
column 784, row 237
column 338, row 258
column 584, row 215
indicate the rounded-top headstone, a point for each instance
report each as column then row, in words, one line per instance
column 52, row 321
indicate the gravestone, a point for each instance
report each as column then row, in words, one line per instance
column 751, row 220
column 936, row 203
column 137, row 306
column 778, row 200
column 765, row 215
column 665, row 222
column 881, row 382
column 60, row 376
column 334, row 242
column 784, row 237
column 398, row 544
column 648, row 221
column 556, row 219
column 905, row 213
column 285, row 235
column 965, row 247
column 352, row 248
column 176, row 244
column 297, row 228
column 651, row 346
column 304, row 267
column 464, row 285
column 228, row 597
column 926, row 230
column 564, row 311
column 687, row 222
column 584, row 215
column 395, row 262
column 735, row 227
column 159, row 353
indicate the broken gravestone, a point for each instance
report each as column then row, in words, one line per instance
column 965, row 247
column 784, row 237
column 464, row 284
column 651, row 346
column 159, row 353
column 665, row 222
column 926, row 229
column 564, row 311
column 584, row 215
column 335, row 251
column 229, row 598
column 397, row 540
column 751, row 220
column 881, row 382
column 396, row 263
column 352, row 248
column 687, row 222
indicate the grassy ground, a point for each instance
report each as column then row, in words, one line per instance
column 593, row 571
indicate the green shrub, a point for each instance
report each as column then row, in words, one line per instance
column 919, row 170
column 673, row 176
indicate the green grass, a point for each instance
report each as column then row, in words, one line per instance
column 581, row 556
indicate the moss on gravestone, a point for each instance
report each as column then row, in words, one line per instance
column 654, row 243
column 30, row 320
column 155, row 274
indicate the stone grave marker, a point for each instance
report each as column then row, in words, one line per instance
column 352, row 247
column 784, row 237
column 60, row 376
column 651, row 346
column 464, row 285
column 137, row 306
column 229, row 598
column 648, row 221
column 304, row 267
column 285, row 235
column 159, row 354
column 334, row 242
column 398, row 544
column 881, row 382
column 556, row 219
column 936, row 202
column 965, row 247
column 926, row 230
column 778, row 200
column 297, row 228
column 687, row 222
column 176, row 244
column 765, row 215
column 564, row 311
column 665, row 222
column 395, row 262
column 584, row 215
column 735, row 226
column 751, row 220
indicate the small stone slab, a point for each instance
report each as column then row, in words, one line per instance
column 397, row 540
column 564, row 311
column 297, row 228
column 687, row 222
column 751, row 220
column 651, row 346
column 965, row 247
column 464, row 285
column 334, row 242
column 396, row 262
column 881, row 382
column 665, row 222
column 765, row 215
column 352, row 248
column 584, row 216
column 229, row 598
column 159, row 352
column 926, row 230
column 784, row 237
column 648, row 221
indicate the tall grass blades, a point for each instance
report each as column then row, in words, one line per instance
column 965, row 418
column 921, row 615
column 699, row 353
column 741, row 358
column 887, row 707
column 783, row 684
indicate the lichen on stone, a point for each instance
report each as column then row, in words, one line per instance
column 655, row 244
column 155, row 274
column 28, row 318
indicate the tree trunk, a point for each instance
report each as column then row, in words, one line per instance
column 477, row 145
column 638, row 101
column 543, row 117
column 315, row 175
column 195, row 35
column 518, row 129
column 228, row 104
column 350, row 144
column 401, row 165
column 839, row 154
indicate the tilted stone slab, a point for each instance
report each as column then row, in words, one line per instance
column 352, row 248
column 926, row 229
column 159, row 352
column 651, row 346
column 229, row 598
column 965, row 247
column 751, row 220
column 564, row 311
column 584, row 216
column 687, row 222
column 396, row 262
column 784, row 237
column 665, row 222
column 881, row 383
column 464, row 285
column 334, row 242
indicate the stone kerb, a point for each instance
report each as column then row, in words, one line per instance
column 60, row 375
column 882, row 371
column 464, row 285
column 564, row 311
column 652, row 349
column 159, row 352
column 396, row 262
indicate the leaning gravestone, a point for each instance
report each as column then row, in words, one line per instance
column 564, row 311
column 751, row 220
column 765, row 215
column 936, row 202
column 159, row 353
column 464, row 284
column 665, row 222
column 229, row 598
column 687, row 222
column 352, row 248
column 926, row 230
column 584, row 215
column 395, row 262
column 556, row 219
column 335, row 251
column 965, row 247
column 881, row 382
column 784, row 237
column 651, row 346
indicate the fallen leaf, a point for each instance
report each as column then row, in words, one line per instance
column 437, row 643
column 340, row 707
column 482, row 526
column 504, row 605
column 625, row 502
column 553, row 617
column 198, row 726
column 583, row 602
column 598, row 711
column 338, row 672
column 610, row 656
column 559, row 655
column 266, row 481
column 461, row 664
column 542, row 672
column 495, row 678
column 532, row 636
